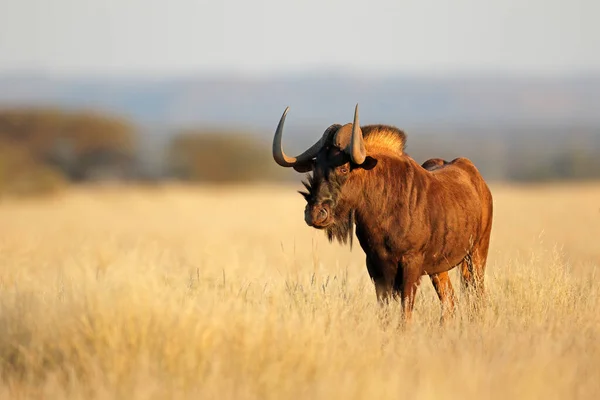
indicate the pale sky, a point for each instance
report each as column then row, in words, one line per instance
column 169, row 38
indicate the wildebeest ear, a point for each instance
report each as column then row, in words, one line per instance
column 369, row 163
column 304, row 167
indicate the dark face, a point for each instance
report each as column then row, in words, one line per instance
column 330, row 171
column 327, row 203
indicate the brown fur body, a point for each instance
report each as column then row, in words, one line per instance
column 411, row 220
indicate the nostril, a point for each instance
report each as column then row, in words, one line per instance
column 322, row 214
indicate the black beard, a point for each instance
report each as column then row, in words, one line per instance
column 342, row 228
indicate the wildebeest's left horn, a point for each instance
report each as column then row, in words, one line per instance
column 283, row 159
column 357, row 145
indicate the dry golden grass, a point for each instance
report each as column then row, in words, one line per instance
column 226, row 293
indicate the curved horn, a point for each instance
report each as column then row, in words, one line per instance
column 357, row 146
column 283, row 159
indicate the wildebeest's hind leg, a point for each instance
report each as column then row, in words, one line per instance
column 472, row 271
column 445, row 291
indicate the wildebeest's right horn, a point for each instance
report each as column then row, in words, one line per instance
column 357, row 146
column 283, row 159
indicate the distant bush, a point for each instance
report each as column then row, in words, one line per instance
column 41, row 149
column 21, row 175
column 221, row 157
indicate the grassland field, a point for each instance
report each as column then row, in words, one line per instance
column 225, row 293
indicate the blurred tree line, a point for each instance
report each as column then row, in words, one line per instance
column 219, row 156
column 516, row 153
column 42, row 150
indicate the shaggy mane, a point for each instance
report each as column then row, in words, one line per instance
column 384, row 138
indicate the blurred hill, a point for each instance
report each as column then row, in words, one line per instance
column 514, row 128
column 320, row 99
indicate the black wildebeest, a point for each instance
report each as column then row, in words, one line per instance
column 411, row 220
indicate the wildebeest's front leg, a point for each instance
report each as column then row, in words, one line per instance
column 443, row 287
column 383, row 278
column 407, row 281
